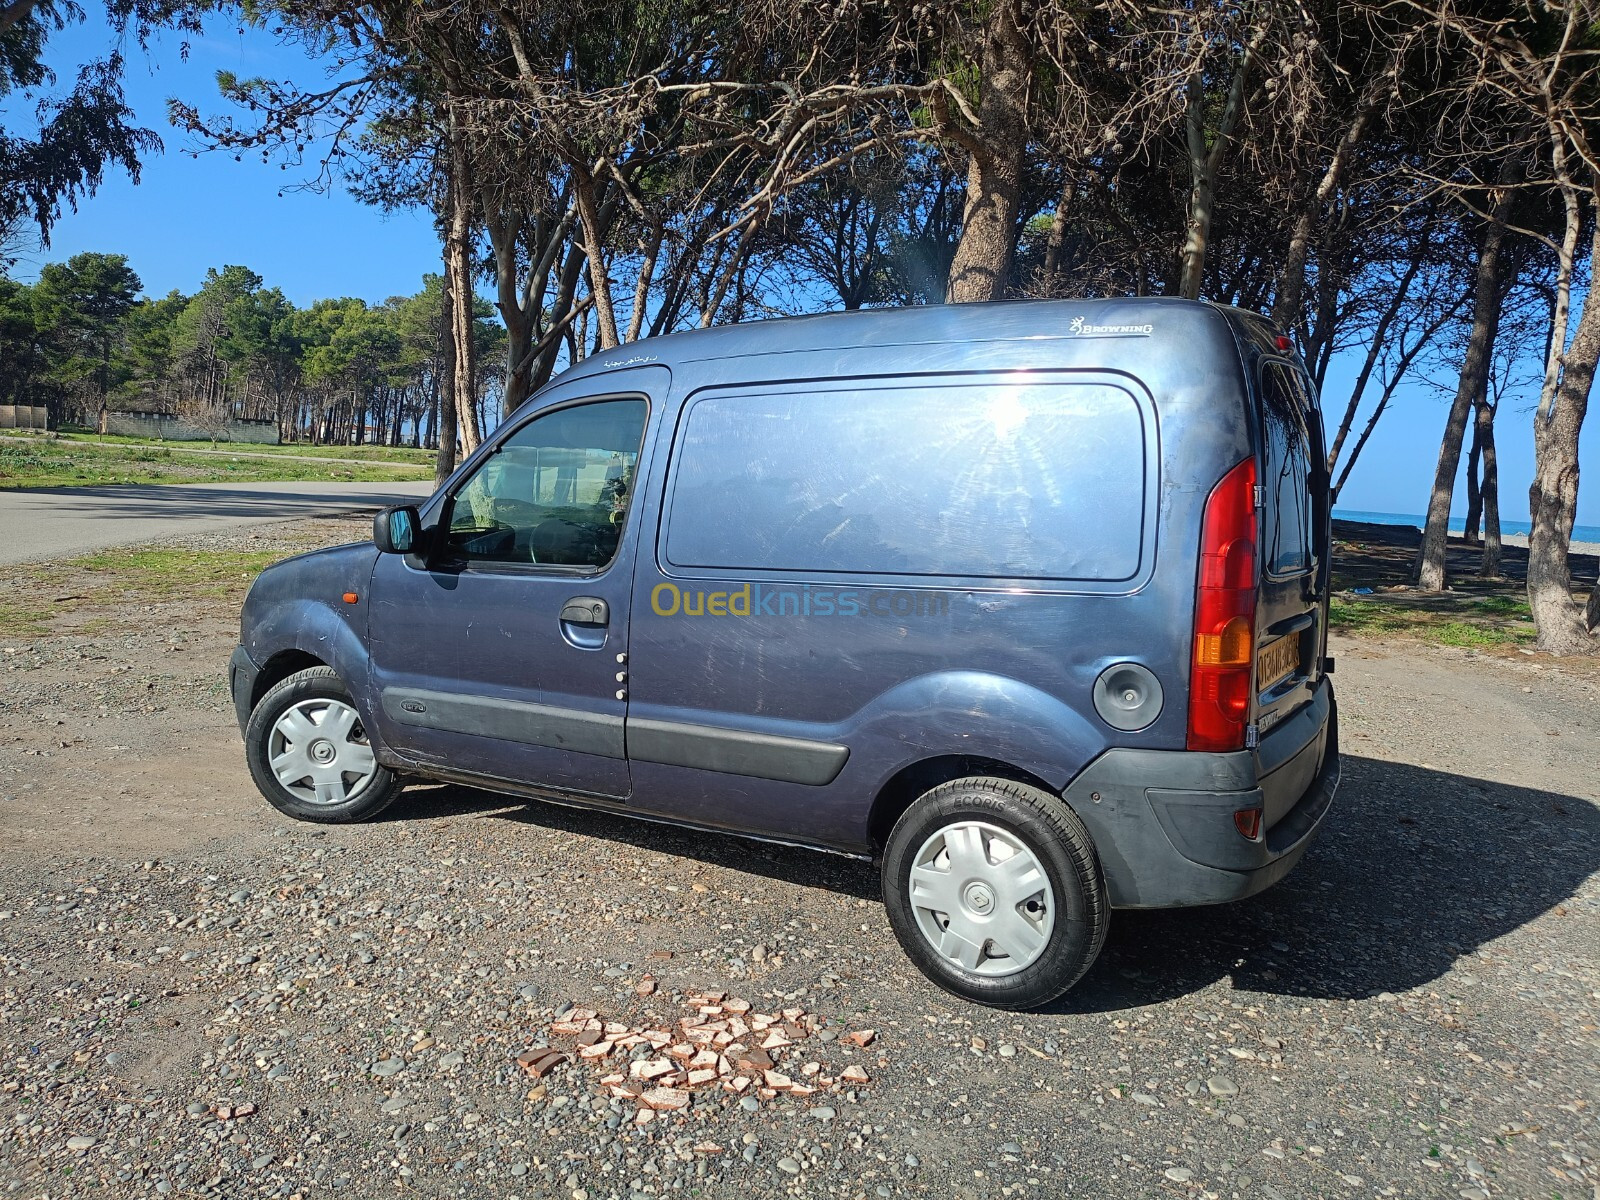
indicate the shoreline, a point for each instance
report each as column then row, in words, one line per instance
column 1521, row 540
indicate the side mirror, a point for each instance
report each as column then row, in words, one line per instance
column 394, row 530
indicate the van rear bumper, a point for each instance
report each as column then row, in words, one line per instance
column 1163, row 820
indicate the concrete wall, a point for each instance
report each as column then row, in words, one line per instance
column 24, row 416
column 176, row 429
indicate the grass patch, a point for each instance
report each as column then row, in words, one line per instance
column 65, row 462
column 96, row 591
column 19, row 622
column 165, row 573
column 1480, row 623
column 1503, row 606
column 368, row 453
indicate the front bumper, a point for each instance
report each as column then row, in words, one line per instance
column 242, row 672
column 1163, row 820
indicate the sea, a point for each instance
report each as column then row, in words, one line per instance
column 1580, row 533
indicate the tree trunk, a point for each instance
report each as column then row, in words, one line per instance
column 1553, row 496
column 458, row 273
column 1204, row 162
column 1292, row 279
column 1489, row 568
column 589, row 206
column 1430, row 565
column 996, row 157
column 1469, row 532
column 503, row 238
column 1058, row 237
column 445, row 464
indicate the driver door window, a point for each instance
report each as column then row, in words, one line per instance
column 554, row 493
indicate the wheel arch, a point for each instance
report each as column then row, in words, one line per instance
column 278, row 668
column 902, row 788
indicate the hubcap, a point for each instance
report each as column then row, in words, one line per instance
column 981, row 898
column 319, row 752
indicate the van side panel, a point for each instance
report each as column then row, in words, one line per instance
column 730, row 640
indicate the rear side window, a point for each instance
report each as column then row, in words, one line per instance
column 1285, row 470
column 1012, row 481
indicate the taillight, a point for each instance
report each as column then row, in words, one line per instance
column 1225, row 614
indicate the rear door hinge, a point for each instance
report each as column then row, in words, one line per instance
column 1261, row 496
column 1252, row 736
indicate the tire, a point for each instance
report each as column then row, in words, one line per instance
column 985, row 951
column 311, row 714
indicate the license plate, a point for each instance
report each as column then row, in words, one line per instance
column 1277, row 660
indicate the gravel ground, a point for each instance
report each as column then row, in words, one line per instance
column 200, row 998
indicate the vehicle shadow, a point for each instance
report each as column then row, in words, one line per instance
column 790, row 864
column 1413, row 869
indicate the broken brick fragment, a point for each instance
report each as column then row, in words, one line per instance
column 664, row 1099
column 540, row 1061
column 860, row 1037
column 754, row 1060
column 650, row 1068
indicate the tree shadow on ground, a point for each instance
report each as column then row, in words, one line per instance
column 1385, row 556
column 1413, row 869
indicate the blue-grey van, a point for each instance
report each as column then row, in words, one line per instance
column 1026, row 602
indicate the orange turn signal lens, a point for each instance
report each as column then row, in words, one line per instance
column 1229, row 647
column 351, row 597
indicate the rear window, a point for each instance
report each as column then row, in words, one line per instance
column 1285, row 470
column 1014, row 481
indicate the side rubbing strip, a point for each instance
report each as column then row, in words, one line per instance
column 735, row 752
column 510, row 720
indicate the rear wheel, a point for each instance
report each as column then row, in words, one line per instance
column 994, row 891
column 309, row 753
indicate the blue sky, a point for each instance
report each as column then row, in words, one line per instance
column 191, row 213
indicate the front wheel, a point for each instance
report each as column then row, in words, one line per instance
column 994, row 891
column 309, row 753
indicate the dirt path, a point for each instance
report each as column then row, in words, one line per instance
column 217, row 1002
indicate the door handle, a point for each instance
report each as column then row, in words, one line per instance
column 586, row 610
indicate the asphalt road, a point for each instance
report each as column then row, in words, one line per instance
column 48, row 523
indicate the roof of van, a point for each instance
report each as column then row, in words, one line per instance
column 992, row 321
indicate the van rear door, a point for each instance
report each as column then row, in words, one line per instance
column 1295, row 542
